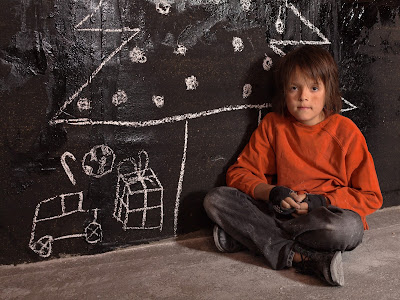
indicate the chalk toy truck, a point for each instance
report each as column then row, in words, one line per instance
column 56, row 217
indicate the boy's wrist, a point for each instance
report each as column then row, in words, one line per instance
column 262, row 191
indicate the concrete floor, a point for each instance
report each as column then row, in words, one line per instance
column 191, row 268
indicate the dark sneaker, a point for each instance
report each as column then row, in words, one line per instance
column 326, row 265
column 224, row 242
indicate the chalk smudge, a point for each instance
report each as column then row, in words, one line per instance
column 119, row 97
column 83, row 104
column 158, row 101
column 163, row 7
column 267, row 63
column 237, row 44
column 191, row 83
column 137, row 55
column 247, row 89
column 180, row 50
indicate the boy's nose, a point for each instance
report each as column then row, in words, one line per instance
column 303, row 95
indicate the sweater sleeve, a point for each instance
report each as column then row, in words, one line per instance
column 362, row 194
column 255, row 162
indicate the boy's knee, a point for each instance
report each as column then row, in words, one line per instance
column 341, row 230
column 348, row 233
column 216, row 197
column 352, row 229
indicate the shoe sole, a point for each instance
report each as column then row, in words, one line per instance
column 216, row 239
column 337, row 272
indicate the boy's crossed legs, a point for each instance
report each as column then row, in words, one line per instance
column 308, row 241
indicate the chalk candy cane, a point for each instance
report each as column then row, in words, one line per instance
column 66, row 167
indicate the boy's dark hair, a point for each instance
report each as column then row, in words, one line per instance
column 316, row 63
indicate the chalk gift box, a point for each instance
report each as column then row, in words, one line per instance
column 139, row 195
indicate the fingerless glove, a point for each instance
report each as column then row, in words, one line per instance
column 278, row 194
column 314, row 201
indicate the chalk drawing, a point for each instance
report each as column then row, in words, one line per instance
column 83, row 104
column 259, row 116
column 112, row 30
column 45, row 218
column 137, row 55
column 180, row 50
column 350, row 105
column 274, row 44
column 132, row 32
column 280, row 27
column 245, row 4
column 173, row 119
column 279, row 24
column 191, row 83
column 119, row 97
column 78, row 27
column 267, row 63
column 139, row 195
column 163, row 7
column 158, row 101
column 99, row 161
column 180, row 182
column 66, row 167
column 135, row 180
column 89, row 15
column 247, row 89
column 237, row 44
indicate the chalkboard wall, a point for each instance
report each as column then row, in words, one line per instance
column 117, row 116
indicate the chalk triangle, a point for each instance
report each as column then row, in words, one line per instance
column 132, row 32
column 348, row 105
column 277, row 45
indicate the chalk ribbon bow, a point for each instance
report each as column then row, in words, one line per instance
column 129, row 167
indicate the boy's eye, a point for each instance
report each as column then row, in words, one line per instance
column 293, row 88
column 315, row 88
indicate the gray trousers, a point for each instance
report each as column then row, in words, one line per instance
column 258, row 227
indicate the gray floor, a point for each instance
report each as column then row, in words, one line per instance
column 191, row 268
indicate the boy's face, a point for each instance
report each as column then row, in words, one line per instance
column 305, row 98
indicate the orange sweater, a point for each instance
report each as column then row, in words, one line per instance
column 330, row 159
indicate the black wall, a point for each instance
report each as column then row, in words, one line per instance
column 78, row 84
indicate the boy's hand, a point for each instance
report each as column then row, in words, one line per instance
column 295, row 201
column 286, row 201
column 302, row 210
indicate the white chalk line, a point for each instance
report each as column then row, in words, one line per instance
column 307, row 22
column 95, row 72
column 60, row 216
column 352, row 106
column 125, row 29
column 259, row 117
column 66, row 167
column 177, row 118
column 71, row 236
column 144, row 209
column 292, row 42
column 90, row 15
column 180, row 182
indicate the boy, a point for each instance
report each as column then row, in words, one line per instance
column 301, row 188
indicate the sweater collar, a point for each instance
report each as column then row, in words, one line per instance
column 315, row 127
